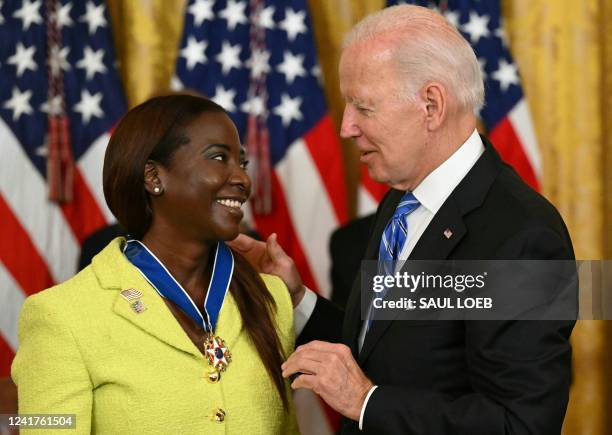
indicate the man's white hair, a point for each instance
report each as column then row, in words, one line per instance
column 426, row 48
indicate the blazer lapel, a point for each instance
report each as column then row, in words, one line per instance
column 443, row 233
column 353, row 321
column 116, row 273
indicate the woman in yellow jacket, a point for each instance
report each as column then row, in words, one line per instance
column 169, row 331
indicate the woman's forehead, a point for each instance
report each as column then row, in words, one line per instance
column 213, row 126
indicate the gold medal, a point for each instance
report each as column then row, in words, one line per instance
column 217, row 353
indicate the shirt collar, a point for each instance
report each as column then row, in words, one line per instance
column 440, row 183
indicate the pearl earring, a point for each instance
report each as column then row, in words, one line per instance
column 157, row 189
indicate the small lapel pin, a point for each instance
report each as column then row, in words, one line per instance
column 131, row 294
column 138, row 306
column 448, row 233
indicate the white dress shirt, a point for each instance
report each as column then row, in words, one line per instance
column 431, row 193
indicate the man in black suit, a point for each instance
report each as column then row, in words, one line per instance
column 412, row 85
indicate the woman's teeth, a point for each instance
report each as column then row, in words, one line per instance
column 229, row 203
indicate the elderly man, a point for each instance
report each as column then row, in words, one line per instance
column 412, row 85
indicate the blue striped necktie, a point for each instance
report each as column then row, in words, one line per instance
column 396, row 231
column 393, row 240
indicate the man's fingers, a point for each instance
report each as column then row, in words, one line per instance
column 275, row 251
column 304, row 381
column 325, row 346
column 301, row 364
column 242, row 243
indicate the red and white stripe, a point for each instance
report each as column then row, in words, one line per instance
column 308, row 203
column 514, row 138
column 40, row 240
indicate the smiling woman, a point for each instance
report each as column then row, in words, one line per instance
column 168, row 329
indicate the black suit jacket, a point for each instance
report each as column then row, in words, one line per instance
column 347, row 247
column 465, row 377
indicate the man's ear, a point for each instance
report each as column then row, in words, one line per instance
column 436, row 104
column 152, row 182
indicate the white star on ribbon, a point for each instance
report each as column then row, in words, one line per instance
column 225, row 98
column 94, row 16
column 292, row 66
column 259, row 63
column 202, row 11
column 19, row 103
column 477, row 27
column 229, row 57
column 293, row 23
column 266, row 18
column 89, row 106
column 23, row 59
column 234, row 14
column 29, row 13
column 194, row 52
column 92, row 62
column 506, row 75
column 254, row 106
column 1, row 16
column 58, row 59
column 289, row 109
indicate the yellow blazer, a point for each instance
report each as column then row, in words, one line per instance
column 85, row 351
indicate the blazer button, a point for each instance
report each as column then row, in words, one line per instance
column 218, row 415
column 213, row 376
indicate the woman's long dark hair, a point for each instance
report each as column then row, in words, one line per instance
column 154, row 130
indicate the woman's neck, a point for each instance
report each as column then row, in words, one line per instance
column 186, row 260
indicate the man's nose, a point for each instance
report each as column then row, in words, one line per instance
column 349, row 127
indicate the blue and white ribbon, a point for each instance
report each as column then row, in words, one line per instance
column 154, row 271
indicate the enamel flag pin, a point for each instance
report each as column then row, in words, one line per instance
column 131, row 294
column 448, row 233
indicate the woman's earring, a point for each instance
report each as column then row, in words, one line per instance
column 157, row 190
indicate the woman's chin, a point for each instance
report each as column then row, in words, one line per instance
column 229, row 234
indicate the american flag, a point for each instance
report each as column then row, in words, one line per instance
column 257, row 59
column 40, row 238
column 505, row 113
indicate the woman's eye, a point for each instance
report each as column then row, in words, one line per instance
column 220, row 157
column 244, row 164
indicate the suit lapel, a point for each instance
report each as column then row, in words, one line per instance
column 156, row 320
column 441, row 237
column 353, row 321
column 116, row 273
column 433, row 245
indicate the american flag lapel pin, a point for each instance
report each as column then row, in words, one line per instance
column 133, row 297
column 448, row 233
column 131, row 294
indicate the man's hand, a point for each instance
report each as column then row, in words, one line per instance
column 270, row 258
column 330, row 371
